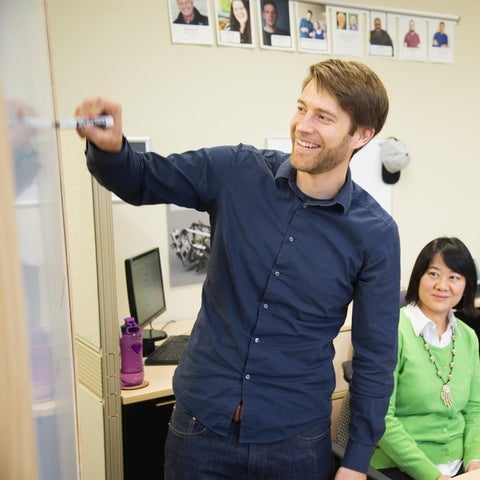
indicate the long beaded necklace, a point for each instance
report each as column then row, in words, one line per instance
column 446, row 393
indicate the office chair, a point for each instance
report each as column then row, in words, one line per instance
column 340, row 442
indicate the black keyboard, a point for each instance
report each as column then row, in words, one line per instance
column 169, row 352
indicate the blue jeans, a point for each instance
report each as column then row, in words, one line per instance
column 193, row 452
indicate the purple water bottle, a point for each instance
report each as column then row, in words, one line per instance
column 131, row 371
column 41, row 359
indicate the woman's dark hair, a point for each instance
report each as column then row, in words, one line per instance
column 357, row 89
column 458, row 258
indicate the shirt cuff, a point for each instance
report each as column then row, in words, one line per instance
column 357, row 456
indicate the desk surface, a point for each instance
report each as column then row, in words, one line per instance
column 158, row 376
column 473, row 475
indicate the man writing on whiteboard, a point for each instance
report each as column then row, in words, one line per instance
column 293, row 242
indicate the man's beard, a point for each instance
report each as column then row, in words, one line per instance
column 324, row 161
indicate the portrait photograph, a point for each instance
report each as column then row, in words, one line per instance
column 190, row 22
column 235, row 23
column 312, row 27
column 412, row 38
column 441, row 40
column 274, row 19
column 382, row 34
column 347, row 31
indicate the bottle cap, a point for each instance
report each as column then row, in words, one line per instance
column 131, row 325
column 129, row 322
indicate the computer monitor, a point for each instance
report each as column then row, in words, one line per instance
column 146, row 295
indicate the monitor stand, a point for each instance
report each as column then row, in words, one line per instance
column 150, row 336
column 153, row 335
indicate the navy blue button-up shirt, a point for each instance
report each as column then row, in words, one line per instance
column 282, row 272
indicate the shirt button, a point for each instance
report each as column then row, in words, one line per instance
column 444, row 430
column 247, row 376
column 290, row 239
column 265, row 306
column 277, row 274
column 257, row 340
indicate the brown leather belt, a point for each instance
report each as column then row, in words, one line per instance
column 238, row 414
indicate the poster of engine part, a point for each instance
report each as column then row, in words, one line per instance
column 189, row 241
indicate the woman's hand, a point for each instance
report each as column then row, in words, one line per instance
column 473, row 466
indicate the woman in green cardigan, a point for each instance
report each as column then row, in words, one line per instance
column 433, row 421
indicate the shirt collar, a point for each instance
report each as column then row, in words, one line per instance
column 423, row 325
column 342, row 200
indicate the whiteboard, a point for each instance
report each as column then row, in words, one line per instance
column 27, row 92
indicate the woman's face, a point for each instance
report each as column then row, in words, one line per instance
column 440, row 288
column 240, row 12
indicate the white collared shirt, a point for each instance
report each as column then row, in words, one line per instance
column 422, row 324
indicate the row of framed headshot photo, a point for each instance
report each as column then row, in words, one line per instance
column 309, row 26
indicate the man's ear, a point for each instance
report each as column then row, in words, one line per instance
column 364, row 135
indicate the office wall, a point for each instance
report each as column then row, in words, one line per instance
column 184, row 96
